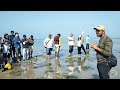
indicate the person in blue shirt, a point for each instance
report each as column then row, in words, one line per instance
column 17, row 45
column 12, row 44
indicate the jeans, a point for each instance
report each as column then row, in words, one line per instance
column 103, row 69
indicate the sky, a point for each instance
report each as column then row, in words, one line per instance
column 41, row 23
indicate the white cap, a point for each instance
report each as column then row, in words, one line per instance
column 100, row 27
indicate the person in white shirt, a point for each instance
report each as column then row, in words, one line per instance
column 6, row 51
column 87, row 42
column 48, row 44
column 71, row 43
column 79, row 42
column 82, row 46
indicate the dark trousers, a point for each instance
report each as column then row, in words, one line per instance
column 71, row 49
column 13, row 50
column 103, row 69
column 79, row 50
column 87, row 46
column 83, row 48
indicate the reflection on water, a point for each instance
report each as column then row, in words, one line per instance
column 21, row 71
column 72, row 65
column 54, row 73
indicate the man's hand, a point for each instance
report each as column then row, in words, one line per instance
column 96, row 48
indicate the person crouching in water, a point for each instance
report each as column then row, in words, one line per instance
column 30, row 43
column 25, row 47
column 48, row 44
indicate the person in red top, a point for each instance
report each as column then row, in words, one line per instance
column 57, row 48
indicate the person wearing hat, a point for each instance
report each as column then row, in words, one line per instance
column 48, row 44
column 103, row 51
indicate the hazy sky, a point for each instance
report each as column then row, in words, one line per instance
column 41, row 23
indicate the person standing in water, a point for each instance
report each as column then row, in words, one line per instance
column 48, row 44
column 71, row 43
column 87, row 43
column 103, row 51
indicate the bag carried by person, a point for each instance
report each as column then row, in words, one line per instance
column 112, row 61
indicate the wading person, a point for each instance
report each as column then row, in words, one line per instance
column 31, row 43
column 103, row 50
column 48, row 44
column 57, row 45
column 87, row 44
column 71, row 42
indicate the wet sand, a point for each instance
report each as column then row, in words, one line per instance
column 65, row 67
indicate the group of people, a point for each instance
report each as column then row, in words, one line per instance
column 10, row 48
column 80, row 44
column 103, row 49
column 50, row 42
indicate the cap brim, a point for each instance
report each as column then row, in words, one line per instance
column 95, row 28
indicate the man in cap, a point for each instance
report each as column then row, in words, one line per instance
column 103, row 50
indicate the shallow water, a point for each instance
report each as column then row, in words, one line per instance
column 84, row 67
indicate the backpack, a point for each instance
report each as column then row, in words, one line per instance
column 112, row 61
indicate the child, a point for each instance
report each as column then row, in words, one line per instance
column 6, row 52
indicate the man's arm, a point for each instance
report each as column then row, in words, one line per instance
column 108, row 48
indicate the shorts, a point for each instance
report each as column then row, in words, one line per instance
column 48, row 51
column 31, row 48
column 57, row 48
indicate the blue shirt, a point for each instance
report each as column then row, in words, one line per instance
column 17, row 42
column 11, row 37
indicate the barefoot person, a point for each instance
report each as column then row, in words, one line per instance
column 48, row 44
column 71, row 43
column 57, row 45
